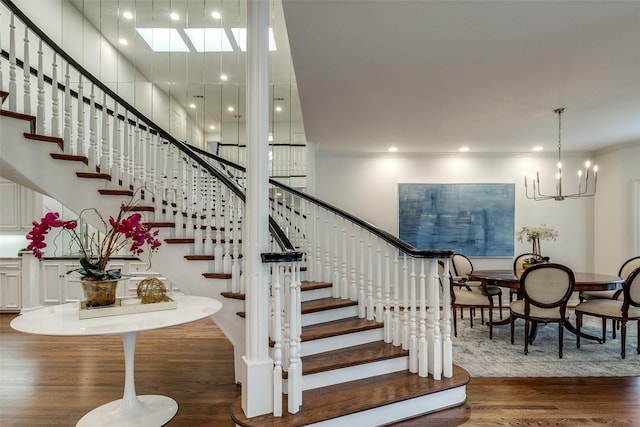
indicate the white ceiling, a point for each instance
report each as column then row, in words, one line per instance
column 431, row 76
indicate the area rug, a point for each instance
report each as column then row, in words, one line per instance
column 481, row 357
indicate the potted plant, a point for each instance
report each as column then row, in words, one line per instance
column 95, row 250
column 535, row 234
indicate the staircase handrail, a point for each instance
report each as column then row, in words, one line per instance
column 278, row 234
column 384, row 235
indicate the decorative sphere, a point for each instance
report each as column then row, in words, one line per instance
column 151, row 290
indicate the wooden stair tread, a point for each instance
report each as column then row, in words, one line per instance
column 233, row 295
column 179, row 240
column 200, row 257
column 45, row 138
column 326, row 403
column 162, row 224
column 139, row 208
column 217, row 275
column 108, row 192
column 310, row 286
column 338, row 327
column 20, row 116
column 351, row 356
column 70, row 157
column 94, row 175
column 324, row 304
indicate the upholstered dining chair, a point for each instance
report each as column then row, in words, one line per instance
column 462, row 266
column 546, row 289
column 518, row 269
column 618, row 310
column 471, row 298
column 625, row 270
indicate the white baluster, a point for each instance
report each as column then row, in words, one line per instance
column 235, row 267
column 189, row 199
column 276, row 336
column 405, row 312
column 80, row 143
column 370, row 308
column 388, row 326
column 13, row 87
column 116, row 171
column 295, row 364
column 397, row 329
column 105, row 144
column 413, row 338
column 210, row 220
column 423, row 349
column 433, row 322
column 226, row 259
column 92, row 152
column 26, row 72
column 354, row 284
column 40, row 129
column 327, row 245
column 336, row 273
column 379, row 310
column 447, row 345
column 68, row 138
column 362, row 298
column 345, row 283
column 139, row 157
column 126, row 131
column 179, row 195
column 55, row 100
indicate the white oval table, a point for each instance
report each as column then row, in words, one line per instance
column 132, row 410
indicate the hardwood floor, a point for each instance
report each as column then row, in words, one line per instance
column 54, row 381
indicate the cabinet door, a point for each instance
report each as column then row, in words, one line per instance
column 27, row 208
column 10, row 290
column 10, row 206
column 52, row 276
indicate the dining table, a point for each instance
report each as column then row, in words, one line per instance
column 584, row 281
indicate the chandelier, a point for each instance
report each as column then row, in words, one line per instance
column 586, row 181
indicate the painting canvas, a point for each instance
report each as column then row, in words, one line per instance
column 472, row 219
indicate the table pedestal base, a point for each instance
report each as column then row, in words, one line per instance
column 153, row 410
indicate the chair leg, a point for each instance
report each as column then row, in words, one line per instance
column 578, row 326
column 604, row 330
column 614, row 323
column 472, row 313
column 560, row 338
column 638, row 335
column 623, row 332
column 526, row 336
column 500, row 303
column 513, row 322
column 490, row 324
column 455, row 322
column 482, row 316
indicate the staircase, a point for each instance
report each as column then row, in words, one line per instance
column 360, row 330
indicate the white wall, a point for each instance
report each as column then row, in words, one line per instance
column 615, row 231
column 367, row 186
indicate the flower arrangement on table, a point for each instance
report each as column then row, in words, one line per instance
column 534, row 235
column 127, row 229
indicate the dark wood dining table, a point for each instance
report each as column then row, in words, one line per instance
column 583, row 282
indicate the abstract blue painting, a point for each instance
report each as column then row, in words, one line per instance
column 472, row 219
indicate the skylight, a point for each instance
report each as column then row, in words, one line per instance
column 241, row 38
column 163, row 39
column 209, row 39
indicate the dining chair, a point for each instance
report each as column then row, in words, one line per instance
column 615, row 309
column 625, row 270
column 471, row 298
column 546, row 289
column 462, row 266
column 518, row 269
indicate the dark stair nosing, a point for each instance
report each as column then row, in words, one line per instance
column 139, row 208
column 350, row 356
column 338, row 327
column 217, row 275
column 233, row 295
column 179, row 240
column 94, row 175
column 200, row 257
column 107, row 192
column 20, row 116
column 70, row 157
column 311, row 286
column 162, row 224
column 325, row 304
column 45, row 138
column 326, row 403
column 3, row 95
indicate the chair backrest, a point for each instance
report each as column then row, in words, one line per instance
column 461, row 265
column 519, row 261
column 628, row 266
column 547, row 285
column 631, row 289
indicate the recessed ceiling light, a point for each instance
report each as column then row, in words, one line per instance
column 230, row 108
column 215, row 14
column 124, row 42
column 127, row 15
column 278, row 109
column 224, row 77
column 393, row 149
column 464, row 149
column 192, row 105
column 212, row 127
column 537, row 148
column 174, row 16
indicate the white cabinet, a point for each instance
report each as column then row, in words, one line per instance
column 17, row 206
column 10, row 285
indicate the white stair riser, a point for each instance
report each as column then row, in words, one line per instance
column 352, row 373
column 329, row 315
column 341, row 341
column 315, row 294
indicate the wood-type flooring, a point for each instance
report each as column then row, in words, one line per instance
column 54, row 381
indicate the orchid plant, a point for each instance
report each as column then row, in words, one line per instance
column 97, row 248
column 535, row 234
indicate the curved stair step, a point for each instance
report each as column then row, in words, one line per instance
column 45, row 138
column 70, row 157
column 20, row 116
